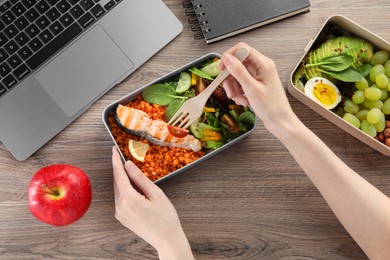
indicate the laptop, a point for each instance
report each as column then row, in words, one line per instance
column 59, row 56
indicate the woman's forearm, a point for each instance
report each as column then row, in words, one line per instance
column 362, row 209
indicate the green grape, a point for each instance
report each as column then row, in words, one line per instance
column 350, row 107
column 374, row 115
column 368, row 128
column 388, row 87
column 386, row 107
column 376, row 69
column 373, row 93
column 362, row 84
column 380, row 126
column 387, row 68
column 381, row 81
column 385, row 94
column 362, row 114
column 358, row 97
column 372, row 104
column 379, row 57
column 353, row 120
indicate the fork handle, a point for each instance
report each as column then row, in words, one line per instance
column 241, row 54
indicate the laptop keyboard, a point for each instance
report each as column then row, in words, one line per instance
column 31, row 31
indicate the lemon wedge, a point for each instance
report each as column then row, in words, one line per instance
column 138, row 149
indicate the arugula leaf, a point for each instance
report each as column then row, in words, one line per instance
column 161, row 94
column 348, row 75
column 200, row 73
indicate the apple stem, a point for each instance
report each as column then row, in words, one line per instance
column 50, row 191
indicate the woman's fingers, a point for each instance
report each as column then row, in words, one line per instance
column 143, row 183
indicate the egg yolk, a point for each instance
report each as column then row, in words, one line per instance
column 325, row 94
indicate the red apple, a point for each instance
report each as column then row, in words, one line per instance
column 59, row 194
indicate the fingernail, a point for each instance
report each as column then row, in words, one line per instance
column 227, row 59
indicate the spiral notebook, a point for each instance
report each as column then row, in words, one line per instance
column 215, row 20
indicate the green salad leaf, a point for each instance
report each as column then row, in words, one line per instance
column 348, row 75
column 200, row 73
column 161, row 94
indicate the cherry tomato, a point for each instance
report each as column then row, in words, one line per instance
column 177, row 131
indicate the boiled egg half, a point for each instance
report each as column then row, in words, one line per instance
column 323, row 91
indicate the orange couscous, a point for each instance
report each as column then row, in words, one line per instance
column 159, row 160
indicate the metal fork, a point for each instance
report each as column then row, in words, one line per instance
column 192, row 109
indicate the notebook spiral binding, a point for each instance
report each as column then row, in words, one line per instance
column 195, row 19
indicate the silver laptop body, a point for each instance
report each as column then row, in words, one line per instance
column 61, row 89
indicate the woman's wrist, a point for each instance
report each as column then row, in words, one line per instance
column 175, row 249
column 284, row 127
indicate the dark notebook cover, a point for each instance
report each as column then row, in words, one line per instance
column 219, row 19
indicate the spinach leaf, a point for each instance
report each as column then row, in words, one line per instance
column 161, row 94
column 246, row 117
column 334, row 63
column 172, row 108
column 200, row 73
column 365, row 69
column 348, row 75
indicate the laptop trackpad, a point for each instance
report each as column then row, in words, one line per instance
column 84, row 71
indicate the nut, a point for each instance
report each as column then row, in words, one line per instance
column 386, row 132
column 387, row 142
column 387, row 124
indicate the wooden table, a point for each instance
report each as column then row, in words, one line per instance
column 250, row 202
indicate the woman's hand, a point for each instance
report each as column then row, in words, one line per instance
column 142, row 207
column 256, row 80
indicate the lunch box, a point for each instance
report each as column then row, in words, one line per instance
column 133, row 95
column 357, row 30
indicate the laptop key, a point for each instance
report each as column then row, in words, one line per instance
column 21, row 39
column 42, row 7
column 52, row 47
column 11, row 47
column 3, row 55
column 53, row 14
column 32, row 30
column 31, row 15
column 11, row 31
column 45, row 36
column 86, row 20
column 42, row 22
column 18, row 9
column 2, row 89
column 21, row 23
column 52, row 2
column 25, row 52
column 21, row 72
column 109, row 5
column 56, row 28
column 28, row 3
column 4, row 69
column 3, row 39
column 8, row 17
column 76, row 11
column 66, row 20
column 97, row 11
column 5, row 7
column 9, row 81
column 14, row 61
column 86, row 4
column 63, row 6
column 35, row 44
column 73, row 2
